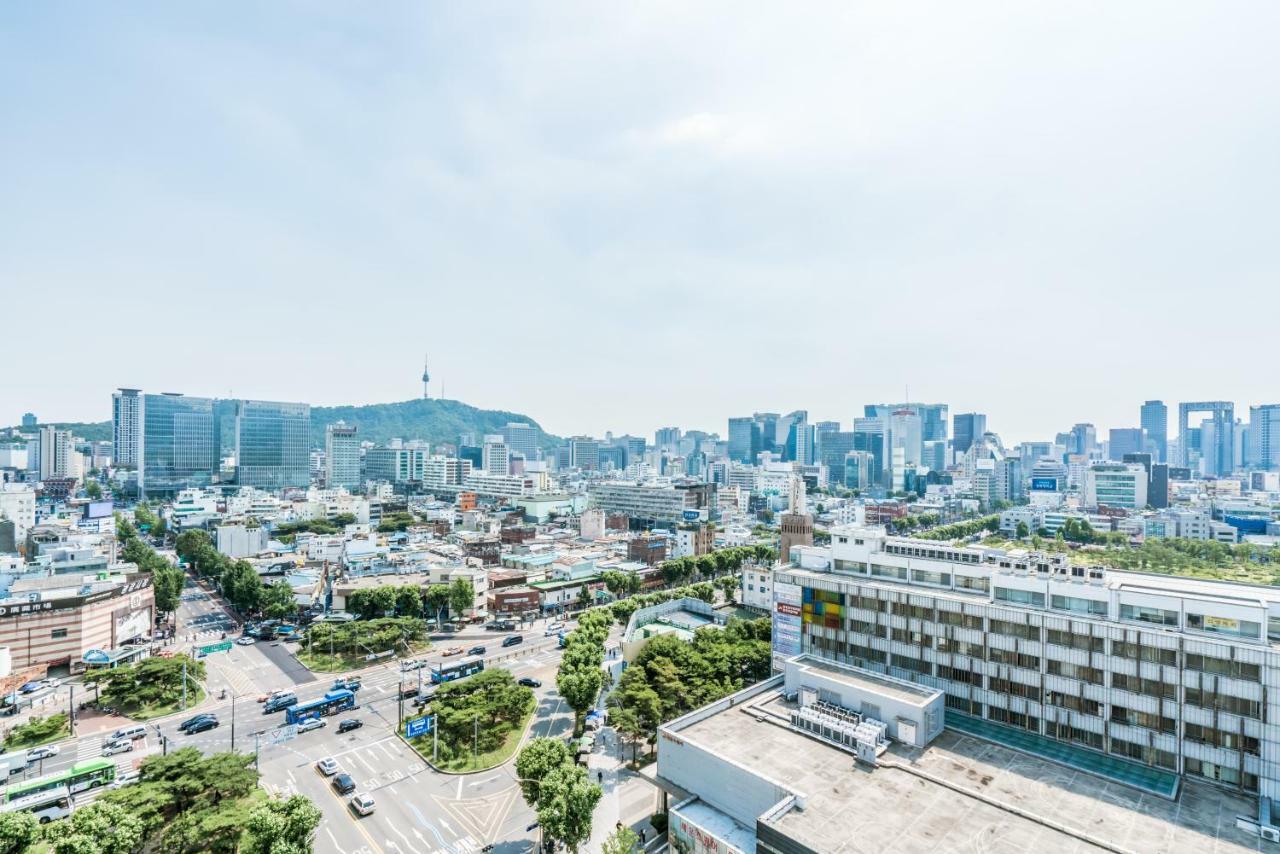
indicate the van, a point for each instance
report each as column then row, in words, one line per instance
column 275, row 704
column 129, row 733
column 513, row 640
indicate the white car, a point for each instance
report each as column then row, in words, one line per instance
column 310, row 724
column 412, row 664
column 362, row 804
column 120, row 745
column 51, row 683
column 246, row 640
column 328, row 766
column 37, row 753
column 554, row 628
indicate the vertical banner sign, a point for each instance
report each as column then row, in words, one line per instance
column 786, row 622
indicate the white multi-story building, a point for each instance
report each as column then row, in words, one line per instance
column 18, row 504
column 1180, row 675
column 445, row 471
column 1121, row 485
column 341, row 456
column 126, row 422
column 58, row 457
column 495, row 456
column 501, row 485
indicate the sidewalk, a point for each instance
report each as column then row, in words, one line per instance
column 627, row 799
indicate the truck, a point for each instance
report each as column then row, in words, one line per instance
column 13, row 763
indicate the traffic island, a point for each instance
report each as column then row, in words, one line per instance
column 472, row 724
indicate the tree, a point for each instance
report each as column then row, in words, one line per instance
column 436, row 599
column 98, row 828
column 622, row 841
column 93, row 489
column 277, row 600
column 282, row 826
column 1021, row 531
column 461, row 596
column 567, row 803
column 408, row 601
column 579, row 686
column 38, row 730
column 728, row 585
column 536, row 760
column 153, row 681
column 18, row 832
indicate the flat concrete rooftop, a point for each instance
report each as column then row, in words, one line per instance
column 906, row 692
column 890, row 809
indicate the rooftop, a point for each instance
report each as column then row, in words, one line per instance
column 962, row 793
column 856, row 677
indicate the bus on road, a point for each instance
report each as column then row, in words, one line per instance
column 446, row 672
column 338, row 700
column 79, row 777
column 46, row 806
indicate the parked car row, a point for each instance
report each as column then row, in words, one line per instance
column 344, row 784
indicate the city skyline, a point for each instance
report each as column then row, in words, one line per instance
column 1010, row 205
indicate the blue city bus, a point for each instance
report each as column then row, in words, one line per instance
column 443, row 672
column 338, row 700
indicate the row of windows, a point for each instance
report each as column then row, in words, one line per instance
column 1221, row 774
column 1144, row 753
column 1150, row 720
column 1074, row 703
column 1092, row 675
column 1150, row 687
column 1220, row 738
column 1222, row 702
column 1018, row 659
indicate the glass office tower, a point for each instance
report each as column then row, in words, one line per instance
column 177, row 444
column 273, row 444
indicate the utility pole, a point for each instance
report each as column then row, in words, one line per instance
column 256, row 737
column 71, row 708
column 475, row 737
column 184, row 683
column 400, row 701
column 435, row 739
column 233, row 721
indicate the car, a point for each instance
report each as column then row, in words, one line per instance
column 407, row 691
column 453, row 650
column 349, row 724
column 343, row 784
column 120, row 745
column 352, row 684
column 190, row 722
column 246, row 640
column 529, row 682
column 412, row 664
column 513, row 640
column 51, row 683
column 276, row 704
column 310, row 724
column 202, row 725
column 37, row 753
column 554, row 629
column 327, row 766
column 423, row 698
column 262, row 698
column 29, row 687
column 362, row 803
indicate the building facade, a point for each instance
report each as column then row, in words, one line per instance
column 273, row 444
column 1154, row 417
column 341, row 456
column 1178, row 674
column 126, row 426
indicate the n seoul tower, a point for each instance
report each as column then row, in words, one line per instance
column 426, row 378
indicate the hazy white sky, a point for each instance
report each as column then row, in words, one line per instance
column 621, row 216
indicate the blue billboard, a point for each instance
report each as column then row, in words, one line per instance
column 1046, row 484
column 415, row 727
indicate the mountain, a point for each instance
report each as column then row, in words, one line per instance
column 434, row 420
column 92, row 431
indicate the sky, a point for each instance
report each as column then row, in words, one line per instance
column 621, row 216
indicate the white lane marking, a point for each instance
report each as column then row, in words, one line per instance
column 386, row 750
column 407, row 843
column 459, row 797
column 482, row 782
column 445, row 824
column 333, row 839
column 372, row 770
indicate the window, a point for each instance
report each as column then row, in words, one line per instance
column 1224, row 667
column 1017, row 630
column 914, row 638
column 1143, row 753
column 1020, row 597
column 865, row 654
column 957, row 674
column 1146, row 614
column 1224, row 626
column 973, row 650
column 1219, row 738
column 869, row 603
column 58, row 634
column 1221, row 773
column 1076, row 641
column 897, row 573
column 920, row 612
column 1079, row 606
column 1150, row 720
column 1092, row 675
column 967, row 582
column 963, row 704
column 866, row 628
column 1224, row 702
column 1017, row 689
column 1075, row 704
column 1018, row 659
column 923, row 577
column 1018, row 719
column 1150, row 687
column 915, row 665
column 1137, row 652
column 955, row 618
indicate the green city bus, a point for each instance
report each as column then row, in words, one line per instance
column 77, row 778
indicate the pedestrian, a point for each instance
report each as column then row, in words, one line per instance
column 642, row 835
column 599, row 776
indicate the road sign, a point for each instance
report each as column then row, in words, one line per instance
column 415, row 727
column 282, row 734
column 225, row 646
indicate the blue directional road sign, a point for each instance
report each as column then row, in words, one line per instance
column 415, row 727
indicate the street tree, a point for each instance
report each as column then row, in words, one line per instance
column 282, row 826
column 436, row 598
column 18, row 832
column 98, row 828
column 461, row 596
column 536, row 760
column 622, row 841
column 565, row 809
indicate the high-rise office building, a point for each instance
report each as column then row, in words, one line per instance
column 584, row 453
column 178, row 449
column 341, row 456
column 396, row 463
column 1121, row 485
column 1084, row 439
column 28, row 420
column 1216, row 456
column 933, row 417
column 769, row 430
column 906, row 431
column 273, row 444
column 833, row 447
column 744, row 440
column 495, row 456
column 858, row 467
column 969, row 428
column 801, row 439
column 666, row 437
column 126, row 426
column 1154, row 417
column 1124, row 440
column 1263, row 450
column 521, row 438
column 869, row 436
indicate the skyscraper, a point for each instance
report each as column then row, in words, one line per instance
column 869, row 436
column 177, row 448
column 1154, row 418
column 1084, row 438
column 1124, row 440
column 1264, row 437
column 126, row 426
column 28, row 420
column 666, row 437
column 584, row 453
column 744, row 439
column 341, row 456
column 969, row 428
column 495, row 457
column 56, row 450
column 933, row 417
column 1216, row 456
column 273, row 444
column 521, row 438
column 833, row 447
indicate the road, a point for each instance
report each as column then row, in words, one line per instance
column 419, row 810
